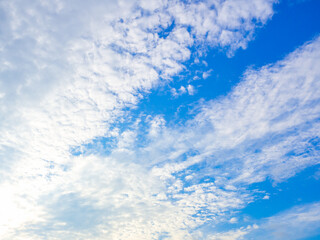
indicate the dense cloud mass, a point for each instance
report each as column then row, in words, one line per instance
column 75, row 165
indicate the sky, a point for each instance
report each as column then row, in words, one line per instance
column 158, row 119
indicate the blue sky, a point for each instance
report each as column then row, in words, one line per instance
column 160, row 119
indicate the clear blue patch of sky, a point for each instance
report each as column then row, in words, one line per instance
column 300, row 189
column 317, row 237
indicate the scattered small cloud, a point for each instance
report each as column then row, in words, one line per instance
column 233, row 220
column 207, row 74
column 266, row 197
column 191, row 89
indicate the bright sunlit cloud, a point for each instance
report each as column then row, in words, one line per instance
column 156, row 120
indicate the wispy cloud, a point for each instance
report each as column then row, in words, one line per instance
column 271, row 115
column 70, row 71
column 299, row 222
column 296, row 223
column 233, row 234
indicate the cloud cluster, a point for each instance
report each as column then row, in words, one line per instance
column 71, row 71
column 182, row 177
column 270, row 119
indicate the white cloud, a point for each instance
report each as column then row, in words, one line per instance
column 233, row 234
column 178, row 92
column 233, row 220
column 206, row 74
column 266, row 197
column 191, row 90
column 156, row 125
column 68, row 72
